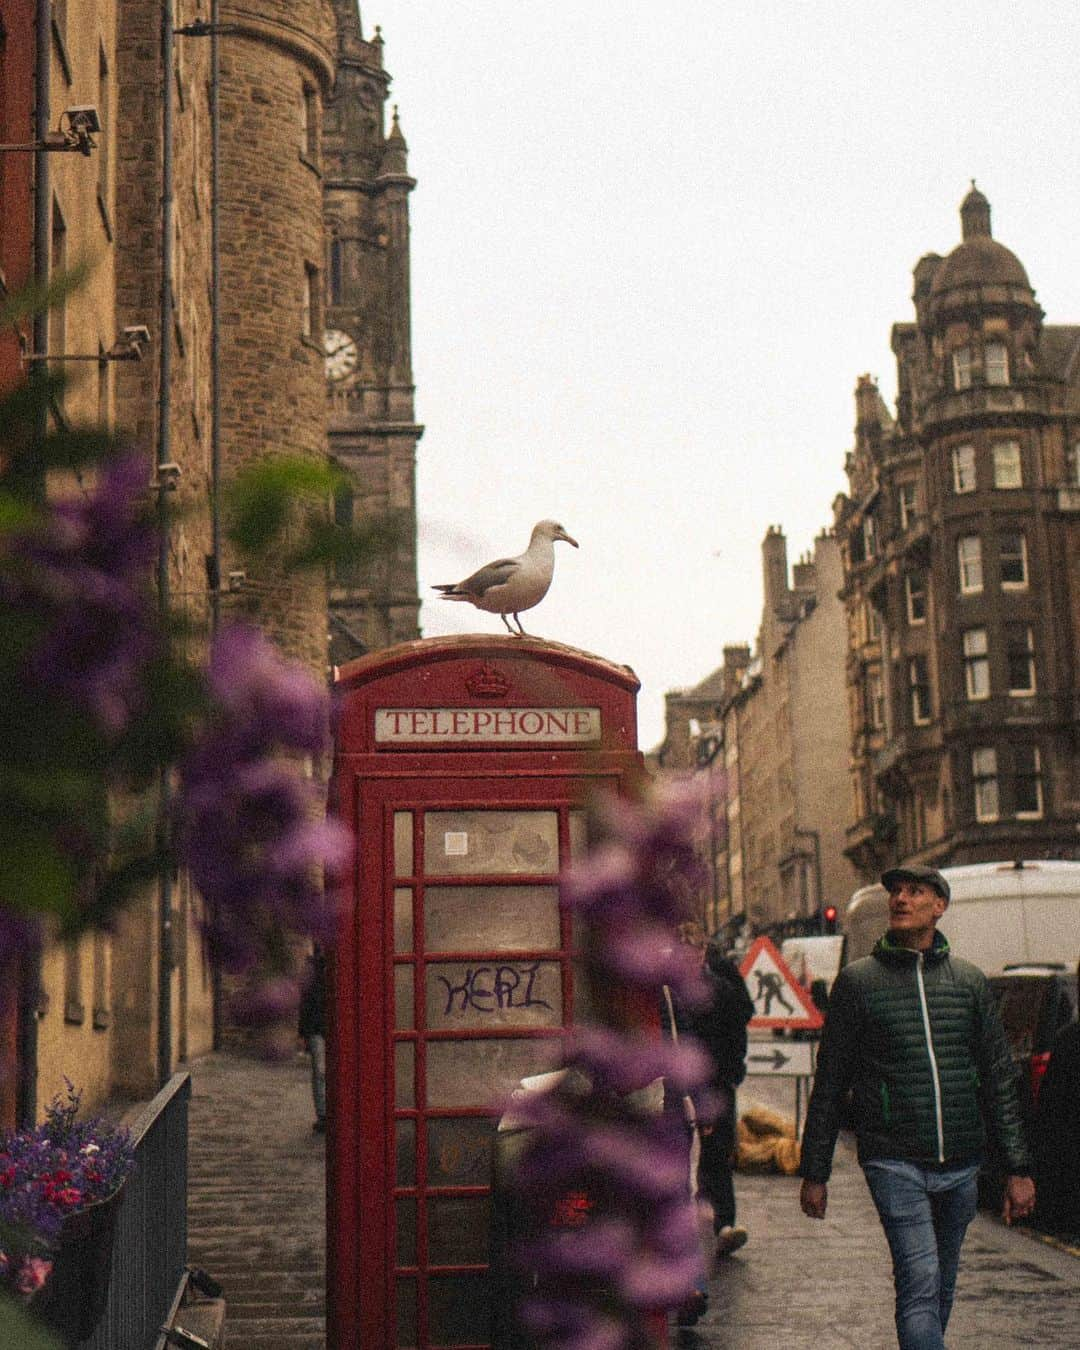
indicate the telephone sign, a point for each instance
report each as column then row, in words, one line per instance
column 463, row 764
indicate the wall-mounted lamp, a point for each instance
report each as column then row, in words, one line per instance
column 129, row 346
column 76, row 131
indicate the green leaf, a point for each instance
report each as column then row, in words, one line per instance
column 328, row 543
column 35, row 298
column 20, row 1333
column 262, row 500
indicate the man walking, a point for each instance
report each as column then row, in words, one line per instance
column 913, row 1031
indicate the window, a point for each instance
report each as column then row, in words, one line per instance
column 1013, row 558
column 961, row 368
column 873, row 623
column 919, row 682
column 976, row 664
column 309, row 303
column 1027, row 783
column 963, row 468
column 869, row 536
column 875, row 700
column 337, row 272
column 1008, row 471
column 1020, row 660
column 969, row 558
column 908, row 509
column 309, row 123
column 915, row 595
column 985, row 783
column 996, row 363
column 1072, row 468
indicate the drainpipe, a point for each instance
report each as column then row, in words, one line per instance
column 30, row 994
column 215, row 385
column 164, row 456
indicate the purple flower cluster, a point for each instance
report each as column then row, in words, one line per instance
column 83, row 571
column 47, row 1173
column 600, row 1134
column 637, row 885
column 250, row 826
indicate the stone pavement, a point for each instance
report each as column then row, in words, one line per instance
column 805, row 1285
column 256, row 1223
column 256, row 1200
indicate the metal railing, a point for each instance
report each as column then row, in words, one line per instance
column 150, row 1246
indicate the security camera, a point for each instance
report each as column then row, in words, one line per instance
column 168, row 476
column 83, row 119
column 137, row 336
column 236, row 580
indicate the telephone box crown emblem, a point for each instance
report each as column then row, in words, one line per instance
column 487, row 682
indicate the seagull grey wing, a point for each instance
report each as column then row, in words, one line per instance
column 491, row 574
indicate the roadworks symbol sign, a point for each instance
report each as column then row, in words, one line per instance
column 779, row 999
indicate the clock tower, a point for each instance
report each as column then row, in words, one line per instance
column 372, row 425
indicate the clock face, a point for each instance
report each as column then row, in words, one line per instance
column 341, row 354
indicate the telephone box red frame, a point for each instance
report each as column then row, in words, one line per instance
column 413, row 735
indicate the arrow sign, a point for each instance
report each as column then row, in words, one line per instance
column 778, row 997
column 793, row 1061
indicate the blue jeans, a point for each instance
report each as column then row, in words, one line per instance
column 925, row 1215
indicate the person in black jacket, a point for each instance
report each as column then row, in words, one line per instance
column 1057, row 1136
column 312, row 1028
column 721, row 1027
column 914, row 1033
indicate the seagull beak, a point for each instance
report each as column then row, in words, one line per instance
column 563, row 535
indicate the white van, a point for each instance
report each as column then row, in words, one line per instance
column 1000, row 914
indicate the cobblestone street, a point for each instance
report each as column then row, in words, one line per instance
column 257, row 1212
column 805, row 1285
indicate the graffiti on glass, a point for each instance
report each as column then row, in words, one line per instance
column 489, row 989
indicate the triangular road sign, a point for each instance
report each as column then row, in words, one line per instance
column 778, row 997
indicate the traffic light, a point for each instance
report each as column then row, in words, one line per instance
column 828, row 919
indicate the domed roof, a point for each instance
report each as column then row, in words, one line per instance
column 980, row 260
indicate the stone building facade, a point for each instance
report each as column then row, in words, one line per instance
column 279, row 60
column 373, row 431
column 960, row 534
column 769, row 732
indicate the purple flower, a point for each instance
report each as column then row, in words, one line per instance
column 252, row 829
column 48, row 1173
column 83, row 573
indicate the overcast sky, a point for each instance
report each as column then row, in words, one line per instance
column 653, row 246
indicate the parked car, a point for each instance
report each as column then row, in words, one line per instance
column 1035, row 1002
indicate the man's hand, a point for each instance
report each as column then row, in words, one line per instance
column 814, row 1196
column 1019, row 1198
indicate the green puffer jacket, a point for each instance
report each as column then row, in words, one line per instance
column 918, row 1038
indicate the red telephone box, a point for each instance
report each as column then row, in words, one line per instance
column 462, row 764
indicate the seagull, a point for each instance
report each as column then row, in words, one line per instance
column 511, row 585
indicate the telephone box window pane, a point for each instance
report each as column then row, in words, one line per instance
column 472, row 996
column 404, row 1074
column 579, row 834
column 405, row 1149
column 403, row 849
column 404, row 1019
column 403, row 925
column 405, row 1212
column 458, row 1230
column 491, row 918
column 406, row 1314
column 459, row 1308
column 481, row 1072
column 457, row 843
column 460, row 1151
